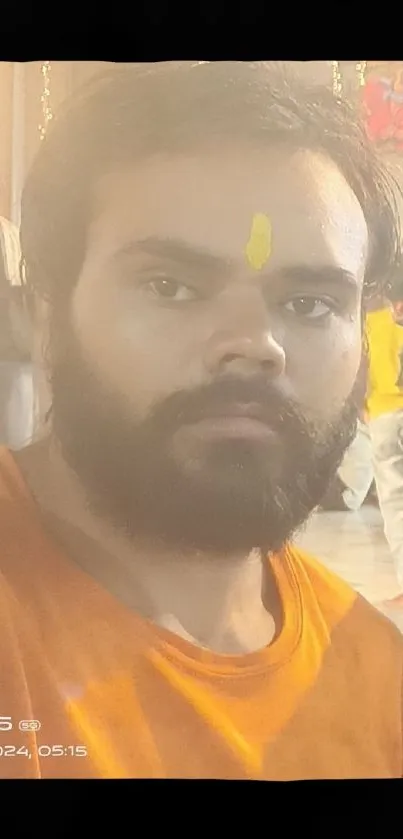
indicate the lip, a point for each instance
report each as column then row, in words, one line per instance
column 234, row 428
column 235, row 422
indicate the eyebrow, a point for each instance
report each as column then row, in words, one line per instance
column 177, row 251
column 317, row 275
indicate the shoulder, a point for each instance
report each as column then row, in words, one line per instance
column 348, row 616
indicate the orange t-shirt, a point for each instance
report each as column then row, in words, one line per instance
column 117, row 697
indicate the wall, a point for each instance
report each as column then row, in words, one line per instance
column 6, row 111
column 21, row 114
column 66, row 76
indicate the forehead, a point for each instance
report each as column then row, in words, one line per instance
column 208, row 199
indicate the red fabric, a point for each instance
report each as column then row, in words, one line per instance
column 383, row 111
column 377, row 110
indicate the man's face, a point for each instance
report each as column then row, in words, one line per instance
column 200, row 400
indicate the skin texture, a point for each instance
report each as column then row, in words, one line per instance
column 316, row 222
column 165, row 304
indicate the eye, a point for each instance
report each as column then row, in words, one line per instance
column 311, row 308
column 168, row 289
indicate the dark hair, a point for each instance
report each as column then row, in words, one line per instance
column 136, row 110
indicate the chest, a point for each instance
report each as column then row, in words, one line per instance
column 161, row 722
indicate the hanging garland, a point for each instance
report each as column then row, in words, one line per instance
column 361, row 69
column 337, row 79
column 47, row 113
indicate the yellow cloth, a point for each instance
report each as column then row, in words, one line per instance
column 385, row 343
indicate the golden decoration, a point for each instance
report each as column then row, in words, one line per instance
column 47, row 113
column 361, row 69
column 337, row 79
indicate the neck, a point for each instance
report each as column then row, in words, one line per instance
column 227, row 603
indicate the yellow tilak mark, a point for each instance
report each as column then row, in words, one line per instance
column 258, row 249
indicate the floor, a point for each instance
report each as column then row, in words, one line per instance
column 353, row 546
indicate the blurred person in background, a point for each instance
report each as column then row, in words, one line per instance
column 353, row 484
column 377, row 450
column 355, row 477
column 198, row 240
column 384, row 407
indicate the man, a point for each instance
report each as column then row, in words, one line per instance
column 198, row 240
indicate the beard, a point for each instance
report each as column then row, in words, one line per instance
column 222, row 495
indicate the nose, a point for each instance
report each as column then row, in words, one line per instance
column 243, row 343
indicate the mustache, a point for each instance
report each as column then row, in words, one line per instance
column 228, row 396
